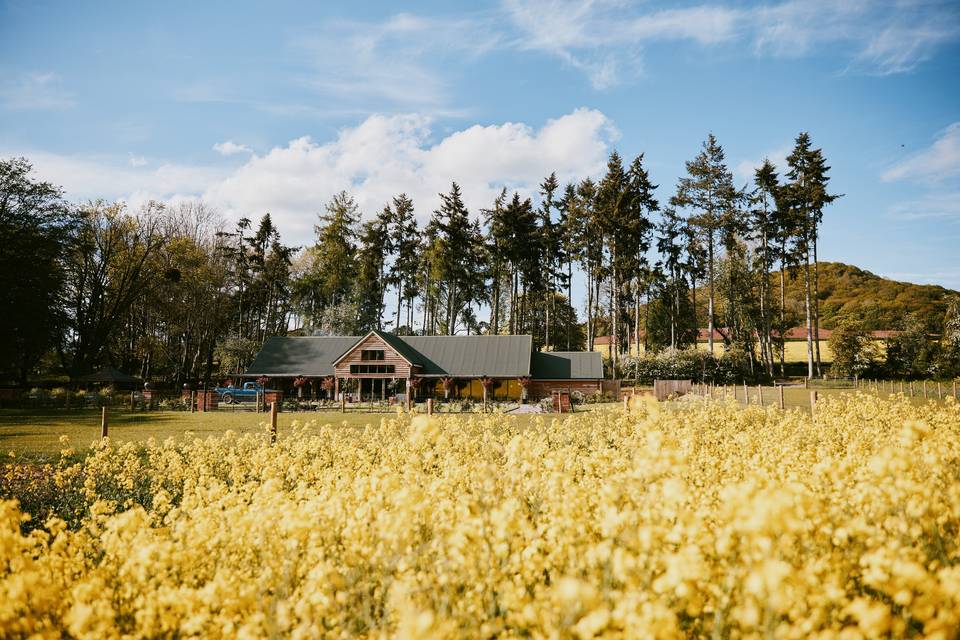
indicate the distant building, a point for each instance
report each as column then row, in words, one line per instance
column 382, row 364
column 795, row 340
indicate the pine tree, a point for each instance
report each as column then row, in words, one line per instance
column 550, row 252
column 497, row 242
column 334, row 254
column 454, row 257
column 371, row 260
column 708, row 191
column 405, row 242
column 764, row 230
column 807, row 195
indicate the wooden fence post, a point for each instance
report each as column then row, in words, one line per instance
column 760, row 395
column 780, row 388
column 910, row 384
column 273, row 422
column 429, row 406
column 813, row 402
column 924, row 388
column 901, row 387
column 939, row 391
column 343, row 403
column 626, row 404
column 104, row 422
column 746, row 394
column 133, row 401
column 193, row 401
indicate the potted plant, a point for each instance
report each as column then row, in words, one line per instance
column 524, row 387
column 487, row 383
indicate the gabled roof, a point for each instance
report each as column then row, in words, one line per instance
column 456, row 356
column 567, row 365
column 289, row 356
column 394, row 342
column 473, row 356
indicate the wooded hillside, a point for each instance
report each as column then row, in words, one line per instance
column 848, row 291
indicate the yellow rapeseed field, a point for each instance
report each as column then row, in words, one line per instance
column 705, row 520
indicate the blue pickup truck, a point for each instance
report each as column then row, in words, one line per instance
column 246, row 393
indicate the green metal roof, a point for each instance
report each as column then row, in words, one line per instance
column 400, row 346
column 289, row 356
column 567, row 365
column 456, row 356
column 473, row 356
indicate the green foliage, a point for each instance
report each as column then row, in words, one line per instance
column 854, row 350
column 847, row 291
column 35, row 230
column 731, row 367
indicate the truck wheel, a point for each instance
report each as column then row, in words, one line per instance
column 227, row 398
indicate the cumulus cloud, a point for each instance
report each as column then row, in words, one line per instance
column 230, row 148
column 939, row 162
column 375, row 160
column 387, row 155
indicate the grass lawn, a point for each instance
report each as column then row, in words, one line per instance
column 36, row 434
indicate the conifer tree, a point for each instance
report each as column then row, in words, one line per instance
column 708, row 192
column 806, row 194
column 405, row 242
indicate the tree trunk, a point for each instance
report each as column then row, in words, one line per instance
column 806, row 297
column 569, row 301
column 710, row 275
column 816, row 303
column 589, row 309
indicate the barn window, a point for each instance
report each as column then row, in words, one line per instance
column 372, row 354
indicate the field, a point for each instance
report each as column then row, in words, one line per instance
column 693, row 519
column 36, row 434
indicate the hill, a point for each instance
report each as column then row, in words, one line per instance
column 848, row 291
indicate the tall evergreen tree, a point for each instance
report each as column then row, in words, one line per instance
column 764, row 227
column 370, row 282
column 806, row 194
column 708, row 192
column 335, row 251
column 406, row 264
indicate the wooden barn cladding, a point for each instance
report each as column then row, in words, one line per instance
column 384, row 356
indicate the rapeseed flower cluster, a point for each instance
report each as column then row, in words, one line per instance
column 707, row 520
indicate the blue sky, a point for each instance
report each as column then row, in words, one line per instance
column 275, row 106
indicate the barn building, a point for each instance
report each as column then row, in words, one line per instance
column 381, row 365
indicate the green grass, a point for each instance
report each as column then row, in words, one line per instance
column 35, row 434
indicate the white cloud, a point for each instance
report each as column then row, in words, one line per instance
column 34, row 91
column 880, row 37
column 599, row 37
column 938, row 163
column 136, row 161
column 937, row 205
column 375, row 160
column 397, row 62
column 384, row 156
column 230, row 148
